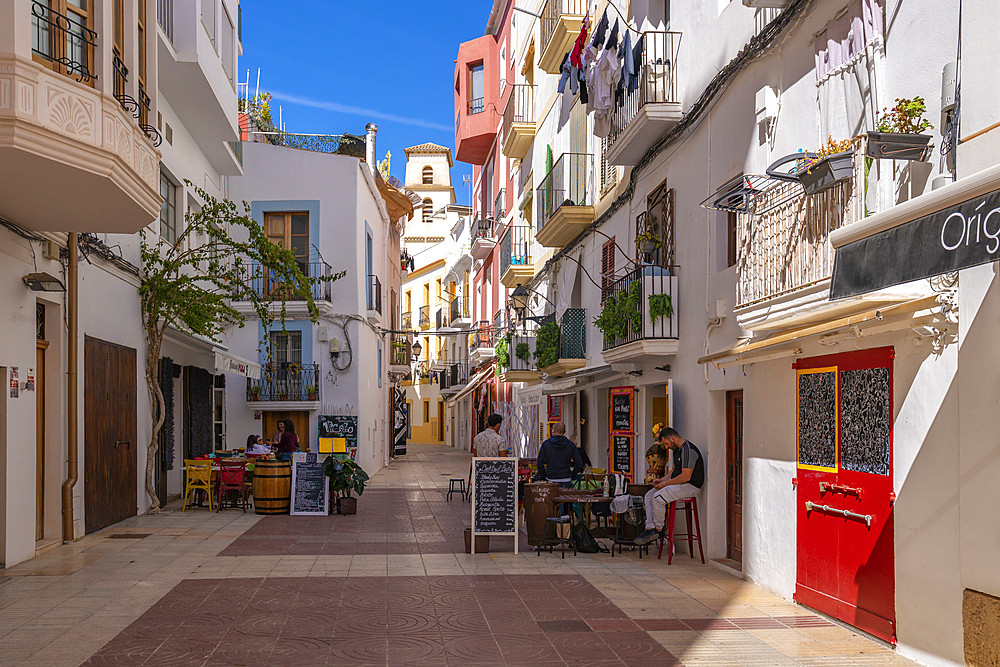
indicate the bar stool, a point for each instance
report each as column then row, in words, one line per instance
column 556, row 522
column 456, row 485
column 690, row 507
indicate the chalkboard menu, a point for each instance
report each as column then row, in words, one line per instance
column 494, row 497
column 310, row 488
column 621, row 447
column 621, row 409
column 340, row 426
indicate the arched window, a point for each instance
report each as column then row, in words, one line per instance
column 428, row 210
column 428, row 175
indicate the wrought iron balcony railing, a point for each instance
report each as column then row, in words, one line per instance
column 165, row 17
column 515, row 247
column 632, row 295
column 138, row 108
column 568, row 184
column 475, row 105
column 374, row 294
column 286, row 382
column 406, row 321
column 439, row 318
column 267, row 286
column 455, row 375
column 63, row 41
column 655, row 80
column 553, row 10
column 458, row 309
column 425, row 316
column 482, row 227
column 482, row 336
column 520, row 106
column 400, row 353
column 498, row 205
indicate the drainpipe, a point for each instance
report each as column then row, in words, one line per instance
column 71, row 391
column 370, row 156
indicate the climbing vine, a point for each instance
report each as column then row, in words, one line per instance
column 547, row 345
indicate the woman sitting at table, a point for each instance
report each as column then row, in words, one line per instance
column 276, row 440
column 289, row 441
column 255, row 445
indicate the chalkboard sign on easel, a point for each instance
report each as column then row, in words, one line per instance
column 340, row 426
column 621, row 447
column 494, row 498
column 310, row 488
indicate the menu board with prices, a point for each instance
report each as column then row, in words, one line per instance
column 621, row 436
column 310, row 488
column 494, row 497
column 340, row 426
column 621, row 446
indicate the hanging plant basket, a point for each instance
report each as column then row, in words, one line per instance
column 826, row 173
column 895, row 146
column 649, row 247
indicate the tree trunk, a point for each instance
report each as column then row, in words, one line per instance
column 155, row 339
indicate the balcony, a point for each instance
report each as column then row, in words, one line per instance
column 262, row 284
column 561, row 23
column 293, row 386
column 373, row 297
column 518, row 121
column 454, row 378
column 650, row 107
column 194, row 81
column 334, row 144
column 424, row 318
column 565, row 201
column 439, row 363
column 406, row 321
column 638, row 335
column 71, row 158
column 572, row 344
column 458, row 313
column 481, row 343
column 475, row 122
column 500, row 206
column 785, row 259
column 515, row 256
column 400, row 354
column 483, row 239
column 422, row 372
column 521, row 358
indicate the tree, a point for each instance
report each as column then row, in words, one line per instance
column 189, row 285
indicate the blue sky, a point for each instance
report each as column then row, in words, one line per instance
column 333, row 66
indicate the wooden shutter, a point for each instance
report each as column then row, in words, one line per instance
column 607, row 267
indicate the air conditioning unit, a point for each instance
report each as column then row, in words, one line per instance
column 775, row 4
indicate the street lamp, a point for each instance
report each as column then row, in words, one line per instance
column 417, row 348
column 519, row 301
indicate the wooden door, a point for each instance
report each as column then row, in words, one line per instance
column 845, row 528
column 734, row 475
column 110, row 463
column 441, row 421
column 300, row 419
column 40, row 438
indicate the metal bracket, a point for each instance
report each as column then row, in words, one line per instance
column 847, row 514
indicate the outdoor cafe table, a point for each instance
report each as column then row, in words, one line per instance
column 586, row 501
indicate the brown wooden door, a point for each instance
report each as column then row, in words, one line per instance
column 734, row 475
column 110, row 429
column 300, row 419
column 40, row 438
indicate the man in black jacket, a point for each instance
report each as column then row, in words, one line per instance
column 558, row 459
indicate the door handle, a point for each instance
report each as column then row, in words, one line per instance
column 839, row 488
column 123, row 442
column 847, row 514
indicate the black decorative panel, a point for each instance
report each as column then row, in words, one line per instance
column 817, row 423
column 865, row 420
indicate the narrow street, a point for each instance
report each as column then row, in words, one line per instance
column 389, row 586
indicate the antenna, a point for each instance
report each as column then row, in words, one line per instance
column 256, row 94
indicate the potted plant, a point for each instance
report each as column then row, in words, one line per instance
column 283, row 395
column 294, row 367
column 899, row 133
column 648, row 240
column 254, row 392
column 311, row 391
column 660, row 305
column 345, row 476
column 833, row 163
column 547, row 345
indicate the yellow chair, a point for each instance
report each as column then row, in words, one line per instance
column 598, row 471
column 199, row 476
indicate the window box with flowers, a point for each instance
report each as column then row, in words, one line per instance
column 899, row 133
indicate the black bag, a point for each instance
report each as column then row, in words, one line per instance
column 584, row 541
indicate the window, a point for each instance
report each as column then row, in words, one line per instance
column 476, row 89
column 141, row 24
column 62, row 38
column 168, row 209
column 427, row 411
column 428, row 175
column 607, row 267
column 286, row 347
column 379, row 363
column 731, row 235
column 428, row 210
column 437, row 291
column 228, row 45
column 208, row 18
column 290, row 231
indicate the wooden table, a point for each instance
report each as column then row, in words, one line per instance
column 586, row 501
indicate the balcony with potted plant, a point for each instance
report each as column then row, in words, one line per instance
column 899, row 134
column 562, row 347
column 400, row 354
column 296, row 386
column 515, row 352
column 639, row 314
column 516, row 265
column 565, row 200
column 650, row 105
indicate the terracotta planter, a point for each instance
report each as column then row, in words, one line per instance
column 826, row 173
column 312, row 397
column 893, row 146
column 348, row 505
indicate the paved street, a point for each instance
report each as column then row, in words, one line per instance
column 389, row 586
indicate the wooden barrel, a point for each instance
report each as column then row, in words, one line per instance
column 272, row 487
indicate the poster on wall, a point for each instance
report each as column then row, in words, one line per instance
column 340, row 426
column 400, row 417
column 15, row 382
column 555, row 408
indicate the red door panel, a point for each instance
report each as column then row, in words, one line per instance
column 845, row 561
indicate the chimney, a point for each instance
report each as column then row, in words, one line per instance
column 370, row 154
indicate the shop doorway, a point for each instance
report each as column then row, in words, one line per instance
column 300, row 418
column 734, row 475
column 845, row 553
column 40, row 347
column 110, row 461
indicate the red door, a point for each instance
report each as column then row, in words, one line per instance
column 845, row 556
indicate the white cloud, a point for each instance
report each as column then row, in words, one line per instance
column 359, row 111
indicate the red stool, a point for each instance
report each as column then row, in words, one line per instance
column 690, row 507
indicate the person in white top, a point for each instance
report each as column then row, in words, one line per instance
column 490, row 442
column 255, row 445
